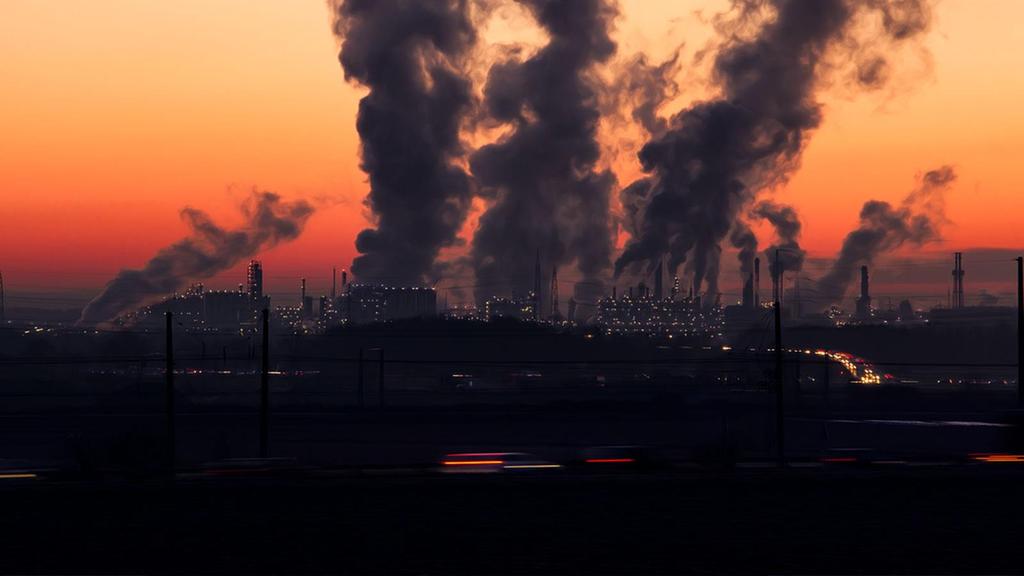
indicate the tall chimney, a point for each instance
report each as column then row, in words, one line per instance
column 344, row 280
column 757, row 282
column 554, row 292
column 958, row 280
column 748, row 291
column 658, row 278
column 864, row 301
column 536, row 287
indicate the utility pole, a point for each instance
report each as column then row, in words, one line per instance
column 265, row 386
column 780, row 431
column 169, row 394
column 380, row 382
column 1020, row 332
column 3, row 301
column 359, row 380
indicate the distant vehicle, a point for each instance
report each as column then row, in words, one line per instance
column 493, row 462
column 609, row 458
column 248, row 467
column 859, row 457
column 997, row 458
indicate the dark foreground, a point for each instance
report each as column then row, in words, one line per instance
column 944, row 520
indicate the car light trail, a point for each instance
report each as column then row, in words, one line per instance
column 530, row 466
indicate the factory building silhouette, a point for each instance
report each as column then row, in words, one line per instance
column 641, row 309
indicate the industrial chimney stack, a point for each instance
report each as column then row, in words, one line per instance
column 864, row 301
column 658, row 279
column 958, row 280
column 555, row 313
column 757, row 282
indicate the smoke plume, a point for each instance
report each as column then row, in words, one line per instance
column 718, row 154
column 206, row 251
column 645, row 86
column 884, row 227
column 409, row 53
column 786, row 251
column 541, row 180
column 744, row 240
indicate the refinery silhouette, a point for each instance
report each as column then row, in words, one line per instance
column 582, row 331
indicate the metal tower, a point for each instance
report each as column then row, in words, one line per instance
column 554, row 293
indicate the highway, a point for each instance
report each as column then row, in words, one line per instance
column 823, row 520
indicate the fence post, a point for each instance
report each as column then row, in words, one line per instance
column 359, row 381
column 380, row 381
column 265, row 387
column 169, row 395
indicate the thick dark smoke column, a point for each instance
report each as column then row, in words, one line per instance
column 645, row 86
column 718, row 154
column 787, row 228
column 408, row 53
column 743, row 239
column 208, row 250
column 884, row 227
column 542, row 180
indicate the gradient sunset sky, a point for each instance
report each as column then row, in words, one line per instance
column 117, row 113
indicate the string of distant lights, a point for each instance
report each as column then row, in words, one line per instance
column 796, row 356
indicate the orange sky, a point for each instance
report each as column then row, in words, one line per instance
column 116, row 113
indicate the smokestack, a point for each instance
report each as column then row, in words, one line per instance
column 775, row 289
column 757, row 282
column 303, row 289
column 958, row 280
column 658, row 294
column 864, row 301
column 675, row 286
column 864, row 288
column 797, row 300
column 614, row 297
column 344, row 280
column 748, row 292
column 554, row 293
column 572, row 309
column 536, row 286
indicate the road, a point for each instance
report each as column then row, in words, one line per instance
column 944, row 520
